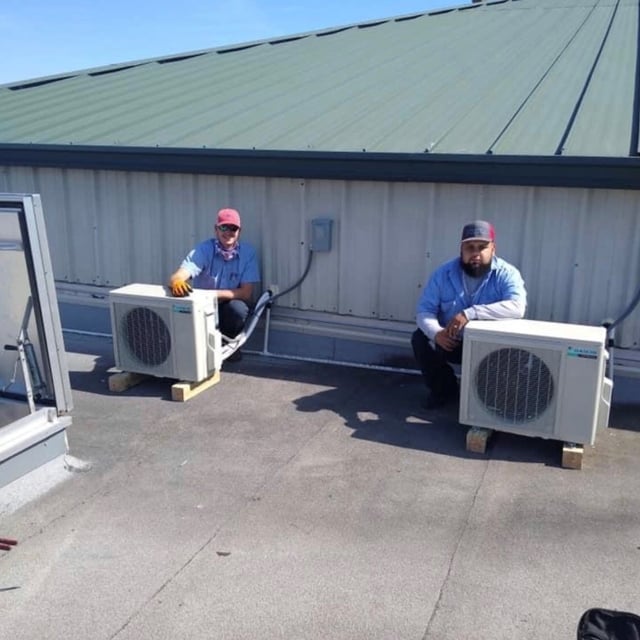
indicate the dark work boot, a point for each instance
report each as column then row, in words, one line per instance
column 438, row 400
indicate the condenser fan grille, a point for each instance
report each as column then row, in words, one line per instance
column 146, row 336
column 514, row 384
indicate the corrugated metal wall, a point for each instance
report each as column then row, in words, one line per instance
column 579, row 250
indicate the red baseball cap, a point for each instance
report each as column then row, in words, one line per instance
column 228, row 216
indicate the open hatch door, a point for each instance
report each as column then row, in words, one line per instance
column 35, row 392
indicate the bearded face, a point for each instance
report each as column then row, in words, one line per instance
column 476, row 256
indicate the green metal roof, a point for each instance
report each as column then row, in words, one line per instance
column 509, row 77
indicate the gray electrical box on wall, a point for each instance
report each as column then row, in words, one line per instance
column 321, row 234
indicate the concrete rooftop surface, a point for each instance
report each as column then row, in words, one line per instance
column 296, row 500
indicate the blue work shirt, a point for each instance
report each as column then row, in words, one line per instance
column 209, row 270
column 445, row 294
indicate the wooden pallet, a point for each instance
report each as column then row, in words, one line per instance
column 180, row 391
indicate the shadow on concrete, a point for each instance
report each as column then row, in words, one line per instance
column 377, row 406
column 96, row 379
column 626, row 417
column 97, row 382
column 385, row 408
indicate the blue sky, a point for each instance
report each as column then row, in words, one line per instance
column 45, row 37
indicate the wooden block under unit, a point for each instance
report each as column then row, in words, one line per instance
column 572, row 455
column 183, row 391
column 119, row 382
column 477, row 439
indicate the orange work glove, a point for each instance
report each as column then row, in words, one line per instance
column 180, row 288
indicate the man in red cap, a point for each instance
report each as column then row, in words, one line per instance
column 475, row 286
column 225, row 264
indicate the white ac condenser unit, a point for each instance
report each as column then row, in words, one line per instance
column 543, row 379
column 159, row 335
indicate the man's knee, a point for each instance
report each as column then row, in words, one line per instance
column 421, row 346
column 238, row 309
column 233, row 315
column 419, row 341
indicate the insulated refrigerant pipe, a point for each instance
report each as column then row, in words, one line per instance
column 233, row 344
column 611, row 331
column 625, row 313
column 265, row 301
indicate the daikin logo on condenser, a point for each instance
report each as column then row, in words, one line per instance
column 582, row 352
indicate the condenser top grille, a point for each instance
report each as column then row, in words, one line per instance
column 514, row 385
column 146, row 335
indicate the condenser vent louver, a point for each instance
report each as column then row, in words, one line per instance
column 157, row 334
column 146, row 335
column 535, row 378
column 514, row 384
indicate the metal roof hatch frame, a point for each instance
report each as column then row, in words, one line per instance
column 35, row 391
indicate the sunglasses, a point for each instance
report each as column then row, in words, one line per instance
column 228, row 227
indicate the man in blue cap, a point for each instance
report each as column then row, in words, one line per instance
column 475, row 286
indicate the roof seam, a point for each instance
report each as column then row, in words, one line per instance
column 634, row 149
column 537, row 85
column 580, row 100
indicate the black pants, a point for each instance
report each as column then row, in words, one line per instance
column 232, row 316
column 434, row 362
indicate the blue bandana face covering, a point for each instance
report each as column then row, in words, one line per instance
column 227, row 254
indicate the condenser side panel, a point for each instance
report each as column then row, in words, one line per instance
column 582, row 393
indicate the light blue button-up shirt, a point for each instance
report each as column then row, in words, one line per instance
column 209, row 270
column 500, row 294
